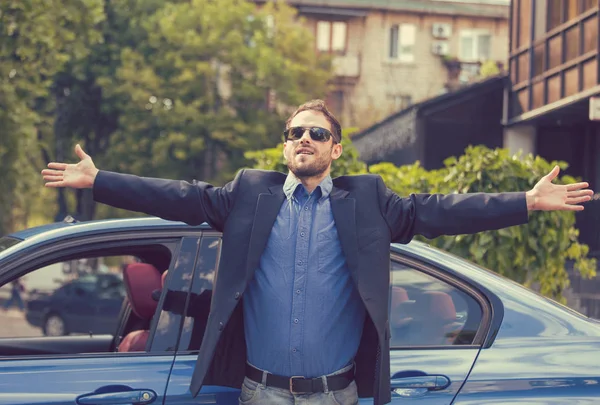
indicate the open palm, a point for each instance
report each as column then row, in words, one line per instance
column 79, row 175
column 547, row 196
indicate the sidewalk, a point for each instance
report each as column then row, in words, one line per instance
column 14, row 325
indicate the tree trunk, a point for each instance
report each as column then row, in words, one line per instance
column 86, row 207
column 63, row 209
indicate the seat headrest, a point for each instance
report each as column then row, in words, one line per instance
column 141, row 279
column 399, row 295
column 438, row 305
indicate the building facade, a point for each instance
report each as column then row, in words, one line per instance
column 554, row 72
column 388, row 55
column 432, row 130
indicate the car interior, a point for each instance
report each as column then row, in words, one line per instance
column 143, row 282
column 421, row 317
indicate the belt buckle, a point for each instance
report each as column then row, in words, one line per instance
column 292, row 383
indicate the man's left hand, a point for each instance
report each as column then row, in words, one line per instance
column 546, row 196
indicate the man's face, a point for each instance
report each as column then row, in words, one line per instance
column 306, row 157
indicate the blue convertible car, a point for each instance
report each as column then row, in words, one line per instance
column 460, row 334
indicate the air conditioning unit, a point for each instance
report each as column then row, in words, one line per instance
column 441, row 30
column 440, row 48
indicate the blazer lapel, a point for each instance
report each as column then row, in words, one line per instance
column 344, row 214
column 267, row 208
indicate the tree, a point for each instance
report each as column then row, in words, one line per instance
column 209, row 81
column 535, row 254
column 85, row 112
column 36, row 39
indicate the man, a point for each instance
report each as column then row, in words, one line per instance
column 310, row 257
column 16, row 288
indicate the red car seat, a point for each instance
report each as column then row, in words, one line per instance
column 141, row 280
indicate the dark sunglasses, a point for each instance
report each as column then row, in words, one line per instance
column 316, row 133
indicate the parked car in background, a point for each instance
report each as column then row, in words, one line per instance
column 88, row 304
column 460, row 334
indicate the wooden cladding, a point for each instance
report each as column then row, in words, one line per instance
column 554, row 51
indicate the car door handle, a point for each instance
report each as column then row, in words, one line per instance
column 118, row 398
column 430, row 382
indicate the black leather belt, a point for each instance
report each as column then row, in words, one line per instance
column 301, row 385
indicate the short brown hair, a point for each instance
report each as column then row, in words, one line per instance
column 319, row 105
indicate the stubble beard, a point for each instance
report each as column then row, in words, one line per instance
column 314, row 169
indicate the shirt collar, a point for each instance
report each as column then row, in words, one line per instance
column 293, row 185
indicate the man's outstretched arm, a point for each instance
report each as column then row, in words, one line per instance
column 193, row 203
column 433, row 215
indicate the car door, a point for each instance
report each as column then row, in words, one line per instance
column 178, row 392
column 436, row 330
column 98, row 373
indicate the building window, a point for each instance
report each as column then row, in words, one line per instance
column 475, row 45
column 561, row 11
column 331, row 36
column 402, row 42
column 554, row 10
column 398, row 102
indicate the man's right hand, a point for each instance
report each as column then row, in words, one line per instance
column 80, row 175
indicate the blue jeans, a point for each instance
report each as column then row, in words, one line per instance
column 256, row 393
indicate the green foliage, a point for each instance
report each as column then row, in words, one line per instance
column 205, row 81
column 531, row 254
column 37, row 38
column 170, row 88
column 409, row 179
column 489, row 68
column 541, row 247
column 534, row 254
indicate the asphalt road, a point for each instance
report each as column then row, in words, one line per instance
column 13, row 324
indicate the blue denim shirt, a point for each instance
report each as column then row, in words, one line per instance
column 303, row 315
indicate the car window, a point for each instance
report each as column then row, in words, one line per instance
column 108, row 291
column 199, row 303
column 110, row 286
column 177, row 283
column 427, row 311
column 82, row 296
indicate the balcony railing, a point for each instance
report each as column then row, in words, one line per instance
column 347, row 66
column 560, row 63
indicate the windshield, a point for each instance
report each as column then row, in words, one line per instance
column 7, row 241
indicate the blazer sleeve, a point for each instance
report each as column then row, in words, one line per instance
column 192, row 203
column 433, row 215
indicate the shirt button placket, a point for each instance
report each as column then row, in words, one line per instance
column 302, row 245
